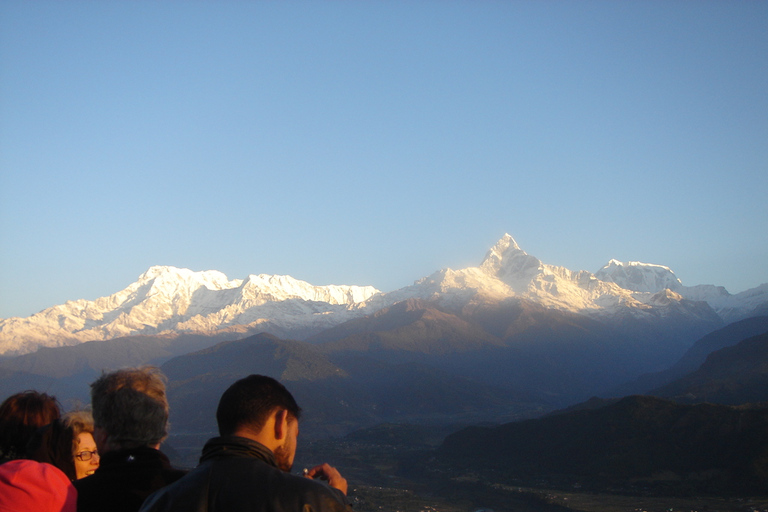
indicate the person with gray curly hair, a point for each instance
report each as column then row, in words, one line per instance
column 130, row 417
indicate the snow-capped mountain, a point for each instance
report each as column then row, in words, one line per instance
column 173, row 299
column 639, row 277
column 508, row 271
column 169, row 299
column 649, row 278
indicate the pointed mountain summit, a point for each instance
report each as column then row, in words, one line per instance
column 510, row 264
column 494, row 257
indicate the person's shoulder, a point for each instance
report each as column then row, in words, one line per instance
column 182, row 494
column 173, row 474
column 91, row 492
column 88, row 482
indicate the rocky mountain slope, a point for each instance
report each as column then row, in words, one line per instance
column 732, row 375
column 695, row 356
column 554, row 354
column 336, row 396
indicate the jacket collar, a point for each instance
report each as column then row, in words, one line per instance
column 142, row 455
column 234, row 446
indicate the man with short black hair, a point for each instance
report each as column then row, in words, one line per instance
column 248, row 467
column 130, row 416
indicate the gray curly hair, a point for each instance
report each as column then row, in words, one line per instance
column 130, row 406
column 79, row 422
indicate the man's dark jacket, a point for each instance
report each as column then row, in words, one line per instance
column 237, row 474
column 124, row 479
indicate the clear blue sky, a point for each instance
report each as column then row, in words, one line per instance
column 376, row 142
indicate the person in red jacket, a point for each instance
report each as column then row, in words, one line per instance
column 31, row 486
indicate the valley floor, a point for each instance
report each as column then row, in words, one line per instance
column 401, row 476
column 378, row 499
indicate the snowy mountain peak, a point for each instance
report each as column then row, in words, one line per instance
column 165, row 276
column 510, row 264
column 639, row 277
column 277, row 287
column 617, row 263
column 504, row 250
column 508, row 241
column 496, row 253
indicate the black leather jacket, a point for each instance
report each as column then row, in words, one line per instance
column 237, row 474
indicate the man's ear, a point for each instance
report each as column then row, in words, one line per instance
column 281, row 424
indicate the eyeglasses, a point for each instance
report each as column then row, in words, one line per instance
column 86, row 455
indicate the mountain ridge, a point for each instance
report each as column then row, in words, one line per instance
column 169, row 299
column 166, row 299
column 732, row 375
column 695, row 356
column 633, row 442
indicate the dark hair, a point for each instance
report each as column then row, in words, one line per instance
column 53, row 444
column 249, row 402
column 20, row 416
column 130, row 406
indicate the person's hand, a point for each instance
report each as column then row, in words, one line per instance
column 331, row 475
